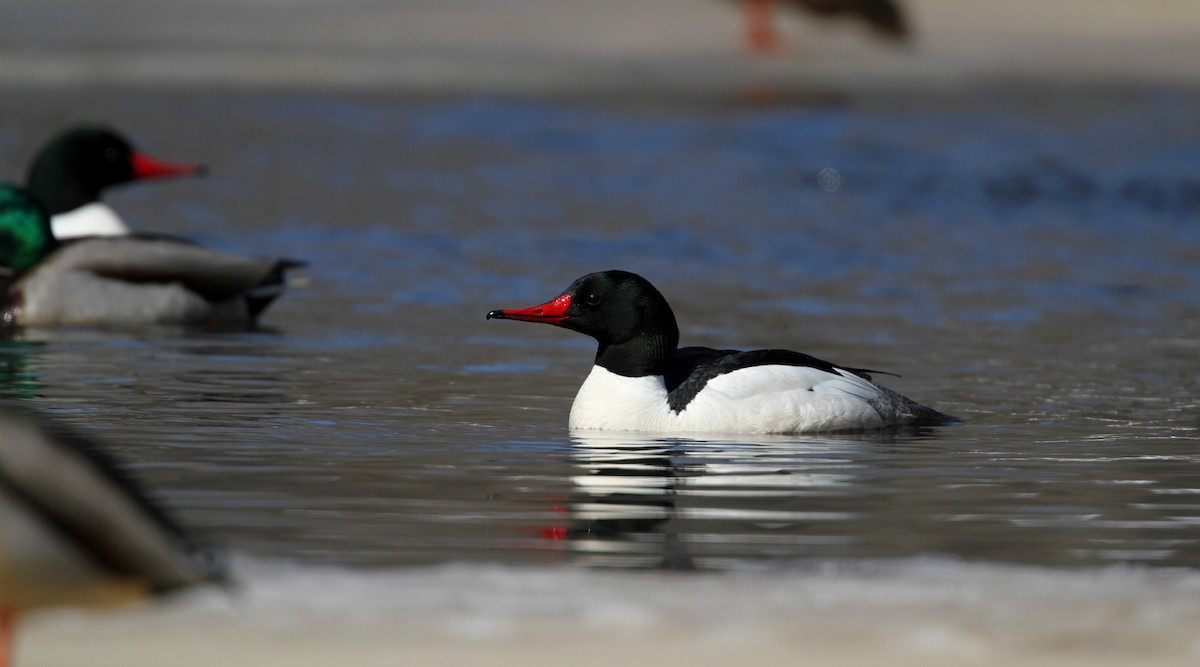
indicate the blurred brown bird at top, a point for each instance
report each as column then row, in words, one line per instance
column 884, row 17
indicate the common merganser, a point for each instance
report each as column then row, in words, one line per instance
column 129, row 280
column 883, row 16
column 643, row 382
column 75, row 531
column 71, row 172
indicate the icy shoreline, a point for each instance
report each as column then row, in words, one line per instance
column 921, row 611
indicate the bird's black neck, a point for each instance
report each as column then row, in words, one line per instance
column 62, row 194
column 644, row 354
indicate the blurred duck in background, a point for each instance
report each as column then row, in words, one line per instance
column 71, row 172
column 76, row 531
column 132, row 280
column 884, row 17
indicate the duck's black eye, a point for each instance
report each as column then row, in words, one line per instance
column 110, row 154
column 591, row 299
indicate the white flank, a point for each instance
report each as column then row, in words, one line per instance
column 760, row 399
column 70, row 288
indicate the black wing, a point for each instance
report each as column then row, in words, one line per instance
column 161, row 258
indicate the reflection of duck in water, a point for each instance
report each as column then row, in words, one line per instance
column 884, row 17
column 671, row 503
column 123, row 280
column 643, row 382
column 623, row 501
column 71, row 172
column 74, row 531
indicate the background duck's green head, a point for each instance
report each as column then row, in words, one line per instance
column 25, row 234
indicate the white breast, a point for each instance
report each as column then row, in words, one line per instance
column 612, row 402
column 95, row 219
column 760, row 399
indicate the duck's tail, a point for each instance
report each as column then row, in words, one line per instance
column 261, row 296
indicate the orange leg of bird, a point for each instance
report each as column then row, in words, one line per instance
column 7, row 624
column 761, row 37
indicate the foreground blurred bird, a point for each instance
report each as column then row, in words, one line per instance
column 642, row 381
column 74, row 530
column 884, row 17
column 71, row 172
column 131, row 280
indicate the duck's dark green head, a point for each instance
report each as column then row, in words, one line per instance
column 25, row 234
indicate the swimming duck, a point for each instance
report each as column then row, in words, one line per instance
column 73, row 169
column 642, row 381
column 75, row 531
column 883, row 16
column 123, row 280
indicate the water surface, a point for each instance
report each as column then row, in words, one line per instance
column 1031, row 267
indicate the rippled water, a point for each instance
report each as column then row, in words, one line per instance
column 1029, row 264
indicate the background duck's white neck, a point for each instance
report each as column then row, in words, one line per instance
column 94, row 219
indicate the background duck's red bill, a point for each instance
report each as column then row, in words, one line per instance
column 145, row 166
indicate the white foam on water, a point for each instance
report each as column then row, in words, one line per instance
column 923, row 611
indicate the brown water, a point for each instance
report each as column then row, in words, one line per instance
column 1029, row 264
